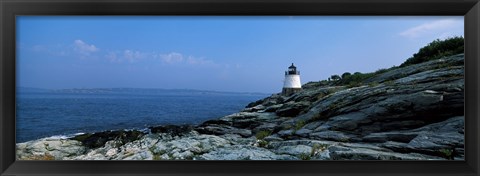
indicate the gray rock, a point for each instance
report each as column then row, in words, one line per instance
column 274, row 137
column 296, row 150
column 292, row 109
column 254, row 109
column 437, row 141
column 142, row 155
column 303, row 132
column 313, row 125
column 236, row 139
column 240, row 152
column 265, row 127
column 306, row 142
column 400, row 136
column 49, row 149
column 285, row 133
column 330, row 135
column 273, row 108
column 344, row 153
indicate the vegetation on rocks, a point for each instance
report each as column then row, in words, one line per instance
column 436, row 50
column 262, row 134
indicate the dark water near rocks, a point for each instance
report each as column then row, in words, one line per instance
column 64, row 113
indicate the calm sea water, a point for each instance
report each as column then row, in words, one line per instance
column 45, row 114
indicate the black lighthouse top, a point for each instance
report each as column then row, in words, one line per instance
column 292, row 70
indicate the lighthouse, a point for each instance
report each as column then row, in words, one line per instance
column 292, row 81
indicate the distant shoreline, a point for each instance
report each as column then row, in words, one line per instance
column 125, row 89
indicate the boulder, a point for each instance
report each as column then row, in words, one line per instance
column 49, row 149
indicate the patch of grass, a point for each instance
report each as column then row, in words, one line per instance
column 372, row 84
column 262, row 143
column 447, row 153
column 318, row 147
column 262, row 134
column 157, row 157
column 330, row 91
column 201, row 146
column 344, row 140
column 413, row 84
column 246, row 158
column 333, row 105
column 170, row 155
column 287, row 127
column 305, row 156
column 299, row 124
column 319, row 96
column 354, row 84
column 442, row 65
column 389, row 83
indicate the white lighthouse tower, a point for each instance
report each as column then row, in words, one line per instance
column 292, row 81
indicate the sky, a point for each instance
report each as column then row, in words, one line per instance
column 221, row 53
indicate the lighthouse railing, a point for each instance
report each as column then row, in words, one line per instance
column 292, row 72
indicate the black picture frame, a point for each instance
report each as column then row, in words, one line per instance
column 11, row 8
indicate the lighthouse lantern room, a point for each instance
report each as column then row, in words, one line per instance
column 291, row 83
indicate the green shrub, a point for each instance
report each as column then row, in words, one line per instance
column 262, row 143
column 335, row 77
column 157, row 157
column 380, row 71
column 334, row 105
column 447, row 153
column 353, row 84
column 287, row 127
column 354, row 80
column 437, row 49
column 346, row 75
column 262, row 134
column 442, row 65
column 372, row 84
column 318, row 147
column 299, row 124
column 305, row 156
column 389, row 83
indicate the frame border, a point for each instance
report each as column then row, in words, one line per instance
column 11, row 8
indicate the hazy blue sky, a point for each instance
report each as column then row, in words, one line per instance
column 241, row 54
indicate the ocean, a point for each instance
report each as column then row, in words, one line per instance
column 47, row 113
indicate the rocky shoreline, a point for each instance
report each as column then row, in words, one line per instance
column 409, row 113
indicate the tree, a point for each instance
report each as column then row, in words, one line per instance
column 345, row 75
column 335, row 77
